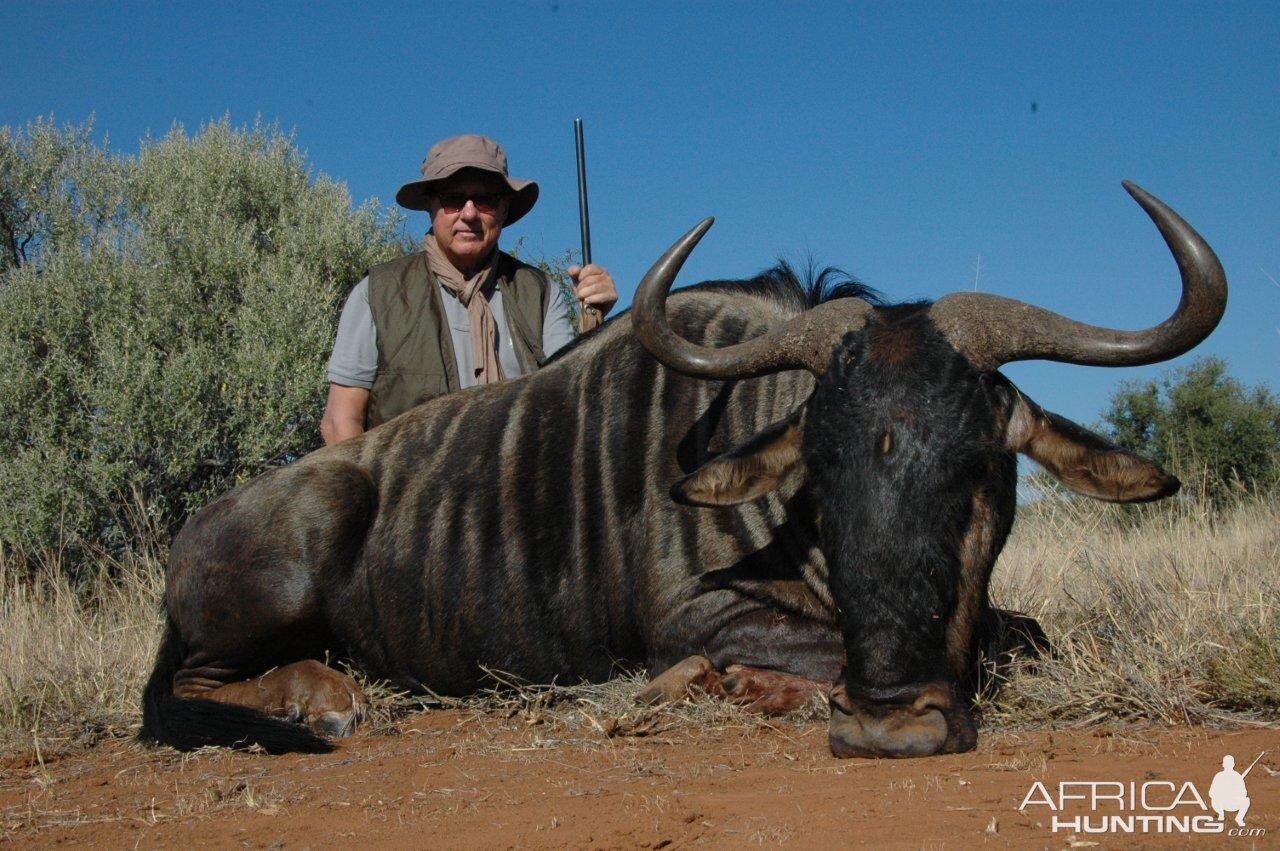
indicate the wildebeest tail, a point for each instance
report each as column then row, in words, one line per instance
column 188, row 723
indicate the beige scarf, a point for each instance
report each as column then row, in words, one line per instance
column 484, row 332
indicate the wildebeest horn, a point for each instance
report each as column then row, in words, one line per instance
column 805, row 342
column 990, row 330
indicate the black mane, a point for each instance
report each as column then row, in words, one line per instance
column 783, row 284
column 780, row 283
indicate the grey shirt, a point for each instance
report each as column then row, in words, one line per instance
column 354, row 362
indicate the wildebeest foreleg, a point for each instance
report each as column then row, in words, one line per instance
column 680, row 680
column 769, row 692
column 760, row 656
column 307, row 692
column 758, row 689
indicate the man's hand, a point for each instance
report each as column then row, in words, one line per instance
column 594, row 285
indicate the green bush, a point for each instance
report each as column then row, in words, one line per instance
column 166, row 320
column 1200, row 423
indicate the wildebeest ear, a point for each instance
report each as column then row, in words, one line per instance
column 1085, row 462
column 748, row 470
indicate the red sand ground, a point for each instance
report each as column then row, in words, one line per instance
column 448, row 780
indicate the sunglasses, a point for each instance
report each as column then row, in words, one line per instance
column 486, row 202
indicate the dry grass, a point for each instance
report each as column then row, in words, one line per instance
column 1169, row 614
column 591, row 710
column 75, row 655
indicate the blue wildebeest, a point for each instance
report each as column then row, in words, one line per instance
column 746, row 487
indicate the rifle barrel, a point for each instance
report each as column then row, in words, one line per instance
column 583, row 215
column 588, row 316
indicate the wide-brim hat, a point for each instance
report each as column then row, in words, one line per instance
column 470, row 150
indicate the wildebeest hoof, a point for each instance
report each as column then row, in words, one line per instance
column 335, row 725
column 1007, row 637
column 676, row 682
column 1015, row 635
column 768, row 692
column 1003, row 641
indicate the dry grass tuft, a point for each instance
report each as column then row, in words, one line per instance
column 1168, row 613
column 75, row 654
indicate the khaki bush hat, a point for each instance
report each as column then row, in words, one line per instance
column 470, row 150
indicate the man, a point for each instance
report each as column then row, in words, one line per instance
column 460, row 312
column 1228, row 792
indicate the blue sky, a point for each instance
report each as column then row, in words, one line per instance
column 901, row 142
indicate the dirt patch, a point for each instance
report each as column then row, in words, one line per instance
column 453, row 779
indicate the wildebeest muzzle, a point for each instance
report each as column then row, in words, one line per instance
column 921, row 720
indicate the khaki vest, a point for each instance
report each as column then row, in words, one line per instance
column 416, row 361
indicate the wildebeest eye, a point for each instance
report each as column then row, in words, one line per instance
column 886, row 442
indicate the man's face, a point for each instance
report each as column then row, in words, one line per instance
column 467, row 214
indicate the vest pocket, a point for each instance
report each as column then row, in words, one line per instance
column 397, row 390
column 429, row 386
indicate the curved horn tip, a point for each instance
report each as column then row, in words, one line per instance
column 1139, row 194
column 684, row 246
column 1154, row 207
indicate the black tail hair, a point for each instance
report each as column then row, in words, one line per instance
column 188, row 723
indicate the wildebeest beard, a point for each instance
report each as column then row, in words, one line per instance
column 900, row 453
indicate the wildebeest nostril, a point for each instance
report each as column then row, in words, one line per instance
column 932, row 699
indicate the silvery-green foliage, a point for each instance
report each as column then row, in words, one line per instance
column 166, row 319
column 57, row 190
column 556, row 268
